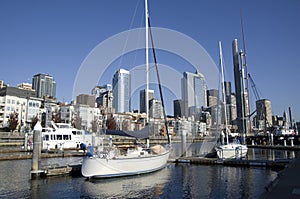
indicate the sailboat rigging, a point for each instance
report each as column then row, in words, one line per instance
column 113, row 161
column 228, row 150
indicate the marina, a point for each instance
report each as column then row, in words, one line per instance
column 262, row 164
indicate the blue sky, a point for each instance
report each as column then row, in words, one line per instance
column 56, row 36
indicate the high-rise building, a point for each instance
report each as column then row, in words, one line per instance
column 264, row 111
column 178, row 108
column 121, row 91
column 227, row 86
column 193, row 92
column 155, row 109
column 212, row 97
column 105, row 100
column 86, row 99
column 44, row 85
column 97, row 90
column 143, row 99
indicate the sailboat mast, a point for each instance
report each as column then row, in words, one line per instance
column 223, row 88
column 147, row 60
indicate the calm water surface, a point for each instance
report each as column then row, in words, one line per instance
column 174, row 181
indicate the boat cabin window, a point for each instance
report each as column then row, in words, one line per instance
column 46, row 137
column 67, row 137
column 59, row 137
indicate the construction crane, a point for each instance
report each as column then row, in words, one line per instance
column 257, row 96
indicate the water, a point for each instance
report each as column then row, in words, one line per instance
column 174, row 181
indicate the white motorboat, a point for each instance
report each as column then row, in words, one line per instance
column 111, row 161
column 63, row 136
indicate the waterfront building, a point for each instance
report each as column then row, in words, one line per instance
column 193, row 90
column 20, row 101
column 143, row 99
column 66, row 113
column 85, row 117
column 263, row 113
column 44, row 85
column 86, row 99
column 121, row 91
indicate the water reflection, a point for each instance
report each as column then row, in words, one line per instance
column 174, row 181
column 141, row 186
column 217, row 182
column 269, row 154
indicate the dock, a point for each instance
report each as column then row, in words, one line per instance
column 287, row 184
column 275, row 164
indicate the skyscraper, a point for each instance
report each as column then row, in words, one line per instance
column 227, row 86
column 143, row 99
column 121, row 91
column 178, row 108
column 193, row 92
column 155, row 109
column 44, row 85
column 264, row 110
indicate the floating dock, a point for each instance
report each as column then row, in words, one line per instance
column 276, row 164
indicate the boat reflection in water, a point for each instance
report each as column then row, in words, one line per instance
column 150, row 185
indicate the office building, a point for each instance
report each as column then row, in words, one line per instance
column 155, row 109
column 121, row 91
column 178, row 108
column 97, row 90
column 86, row 99
column 143, row 99
column 193, row 93
column 264, row 111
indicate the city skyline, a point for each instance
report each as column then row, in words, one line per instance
column 40, row 37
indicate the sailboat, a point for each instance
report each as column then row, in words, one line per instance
column 233, row 149
column 113, row 161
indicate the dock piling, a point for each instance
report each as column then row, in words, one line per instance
column 36, row 154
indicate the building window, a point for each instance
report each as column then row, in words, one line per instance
column 8, row 101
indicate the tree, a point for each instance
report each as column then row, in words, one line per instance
column 77, row 120
column 111, row 123
column 56, row 116
column 13, row 121
column 34, row 120
column 95, row 126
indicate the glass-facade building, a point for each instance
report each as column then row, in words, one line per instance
column 121, row 91
column 193, row 93
column 44, row 85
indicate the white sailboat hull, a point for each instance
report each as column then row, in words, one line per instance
column 229, row 151
column 96, row 167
